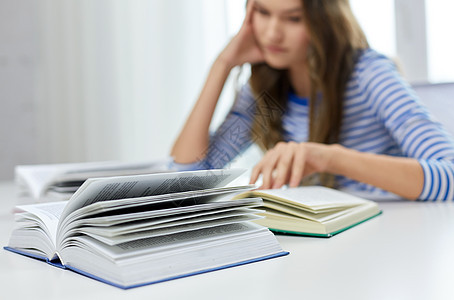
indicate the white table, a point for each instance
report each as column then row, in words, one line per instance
column 406, row 253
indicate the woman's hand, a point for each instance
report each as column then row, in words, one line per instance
column 243, row 47
column 289, row 163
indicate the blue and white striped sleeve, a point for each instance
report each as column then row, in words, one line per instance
column 412, row 127
column 231, row 138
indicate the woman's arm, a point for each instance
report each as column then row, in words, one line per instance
column 194, row 137
column 290, row 162
column 400, row 175
column 193, row 140
column 417, row 134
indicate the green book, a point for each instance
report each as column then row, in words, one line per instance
column 312, row 210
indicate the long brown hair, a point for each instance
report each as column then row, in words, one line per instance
column 335, row 38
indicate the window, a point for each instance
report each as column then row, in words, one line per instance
column 440, row 46
column 376, row 17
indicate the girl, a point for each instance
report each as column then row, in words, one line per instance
column 319, row 102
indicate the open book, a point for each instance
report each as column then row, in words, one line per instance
column 130, row 231
column 52, row 182
column 312, row 210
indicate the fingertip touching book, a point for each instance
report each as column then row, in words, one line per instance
column 130, row 231
column 312, row 210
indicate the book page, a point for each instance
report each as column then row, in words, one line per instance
column 36, row 178
column 39, row 178
column 157, row 201
column 71, row 228
column 168, row 230
column 302, row 213
column 164, row 243
column 145, row 218
column 168, row 221
column 314, row 197
column 111, row 188
column 150, row 203
column 49, row 214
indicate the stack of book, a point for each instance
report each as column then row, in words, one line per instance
column 133, row 230
column 130, row 231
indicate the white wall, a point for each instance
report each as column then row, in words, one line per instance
column 119, row 76
column 18, row 44
column 87, row 80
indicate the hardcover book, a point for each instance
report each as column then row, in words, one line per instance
column 130, row 231
column 312, row 210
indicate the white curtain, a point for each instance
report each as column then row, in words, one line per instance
column 117, row 78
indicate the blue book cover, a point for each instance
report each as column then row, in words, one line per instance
column 130, row 231
column 58, row 264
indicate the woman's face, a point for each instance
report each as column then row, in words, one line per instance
column 280, row 32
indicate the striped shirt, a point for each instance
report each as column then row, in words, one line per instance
column 382, row 115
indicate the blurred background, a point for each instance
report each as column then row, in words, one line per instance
column 92, row 80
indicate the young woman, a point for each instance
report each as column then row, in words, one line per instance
column 319, row 102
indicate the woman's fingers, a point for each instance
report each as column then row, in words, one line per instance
column 297, row 169
column 243, row 47
column 265, row 168
column 249, row 10
column 268, row 166
column 277, row 166
column 289, row 163
column 284, row 164
column 256, row 172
